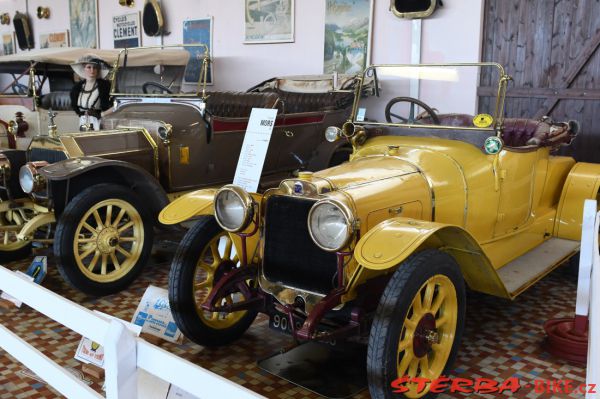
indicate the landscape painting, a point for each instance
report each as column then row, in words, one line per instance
column 347, row 35
column 84, row 23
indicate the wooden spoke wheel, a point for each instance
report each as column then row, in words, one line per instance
column 205, row 254
column 103, row 239
column 11, row 223
column 418, row 325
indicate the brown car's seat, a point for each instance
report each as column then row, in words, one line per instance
column 231, row 104
column 58, row 101
column 309, row 102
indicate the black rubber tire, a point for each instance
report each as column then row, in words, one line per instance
column 181, row 295
column 67, row 225
column 10, row 256
column 391, row 312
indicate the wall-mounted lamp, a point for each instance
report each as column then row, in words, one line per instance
column 43, row 12
column 127, row 3
column 5, row 18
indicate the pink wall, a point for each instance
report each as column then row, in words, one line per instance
column 452, row 34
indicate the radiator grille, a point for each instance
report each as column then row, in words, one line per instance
column 291, row 257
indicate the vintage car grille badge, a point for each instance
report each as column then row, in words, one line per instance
column 298, row 188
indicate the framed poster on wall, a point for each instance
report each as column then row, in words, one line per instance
column 269, row 21
column 348, row 26
column 84, row 23
column 194, row 32
column 126, row 30
column 54, row 39
column 8, row 44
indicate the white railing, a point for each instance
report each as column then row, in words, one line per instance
column 124, row 353
column 588, row 290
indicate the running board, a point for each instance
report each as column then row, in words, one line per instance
column 535, row 264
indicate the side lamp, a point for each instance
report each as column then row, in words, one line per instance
column 5, row 18
column 127, row 3
column 43, row 12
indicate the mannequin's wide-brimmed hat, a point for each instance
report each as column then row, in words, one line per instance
column 78, row 66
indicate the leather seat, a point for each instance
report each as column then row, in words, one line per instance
column 231, row 104
column 58, row 101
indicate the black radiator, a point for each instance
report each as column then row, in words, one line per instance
column 291, row 257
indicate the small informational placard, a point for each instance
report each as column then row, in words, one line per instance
column 153, row 314
column 90, row 352
column 12, row 299
column 254, row 148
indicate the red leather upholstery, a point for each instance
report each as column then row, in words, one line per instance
column 238, row 104
column 520, row 132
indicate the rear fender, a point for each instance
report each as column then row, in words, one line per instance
column 582, row 183
column 389, row 243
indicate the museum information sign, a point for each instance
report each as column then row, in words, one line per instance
column 254, row 149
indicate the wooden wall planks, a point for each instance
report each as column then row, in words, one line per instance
column 548, row 46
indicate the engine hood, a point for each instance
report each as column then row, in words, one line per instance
column 366, row 170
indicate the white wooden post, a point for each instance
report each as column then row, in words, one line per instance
column 120, row 362
column 593, row 358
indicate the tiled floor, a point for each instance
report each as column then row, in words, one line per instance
column 502, row 339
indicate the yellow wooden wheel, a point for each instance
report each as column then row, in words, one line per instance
column 108, row 240
column 103, row 239
column 428, row 332
column 417, row 327
column 216, row 258
column 205, row 255
column 12, row 221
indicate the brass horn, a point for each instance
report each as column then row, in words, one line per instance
column 5, row 18
column 43, row 12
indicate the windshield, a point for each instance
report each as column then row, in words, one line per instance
column 437, row 95
column 159, row 71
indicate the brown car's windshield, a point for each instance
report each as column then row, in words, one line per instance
column 440, row 95
column 159, row 71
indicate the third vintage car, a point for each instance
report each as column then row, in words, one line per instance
column 95, row 195
column 435, row 199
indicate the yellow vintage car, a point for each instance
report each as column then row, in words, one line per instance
column 432, row 201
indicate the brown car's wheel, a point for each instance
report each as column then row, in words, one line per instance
column 204, row 255
column 103, row 239
column 11, row 223
column 418, row 325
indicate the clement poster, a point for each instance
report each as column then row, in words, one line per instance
column 126, row 30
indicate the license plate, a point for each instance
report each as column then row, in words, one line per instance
column 280, row 322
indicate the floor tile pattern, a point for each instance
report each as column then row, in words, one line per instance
column 502, row 339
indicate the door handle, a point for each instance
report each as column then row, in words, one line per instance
column 288, row 133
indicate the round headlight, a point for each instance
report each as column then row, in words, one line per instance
column 332, row 133
column 30, row 179
column 233, row 208
column 329, row 225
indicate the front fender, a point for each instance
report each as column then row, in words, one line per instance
column 389, row 243
column 191, row 204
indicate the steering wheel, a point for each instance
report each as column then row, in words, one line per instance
column 411, row 116
column 163, row 89
column 20, row 88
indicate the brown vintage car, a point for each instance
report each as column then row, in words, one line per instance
column 95, row 196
